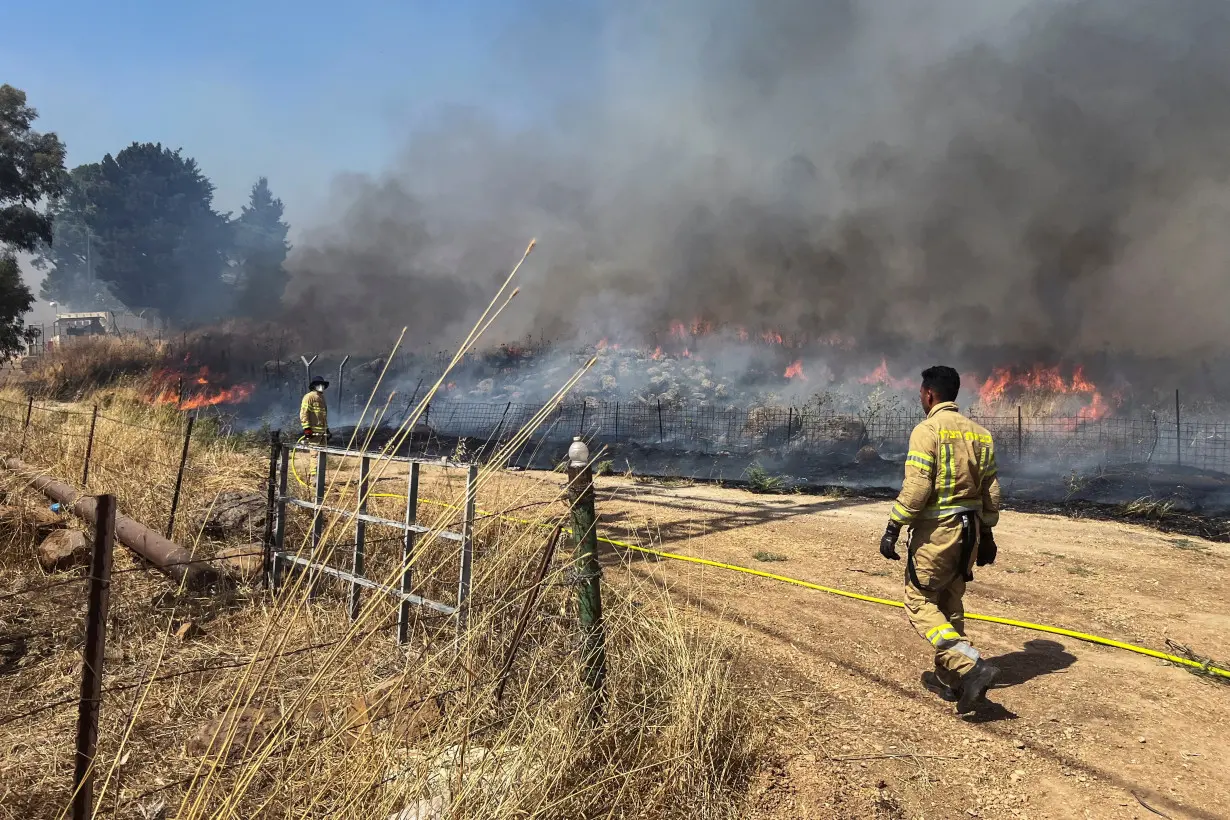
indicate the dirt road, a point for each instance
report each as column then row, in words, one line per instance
column 1075, row 730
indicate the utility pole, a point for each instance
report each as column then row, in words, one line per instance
column 589, row 574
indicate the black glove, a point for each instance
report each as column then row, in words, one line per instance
column 888, row 541
column 986, row 548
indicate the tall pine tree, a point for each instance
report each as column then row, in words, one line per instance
column 260, row 253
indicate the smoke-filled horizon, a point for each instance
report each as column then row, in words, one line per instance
column 1048, row 175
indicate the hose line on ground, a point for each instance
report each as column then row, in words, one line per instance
column 785, row 579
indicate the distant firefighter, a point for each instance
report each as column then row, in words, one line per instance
column 950, row 502
column 314, row 413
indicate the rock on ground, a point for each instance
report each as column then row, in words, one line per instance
column 236, row 514
column 397, row 707
column 63, row 550
column 42, row 520
column 243, row 563
column 250, row 727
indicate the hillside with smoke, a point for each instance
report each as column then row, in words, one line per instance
column 1048, row 176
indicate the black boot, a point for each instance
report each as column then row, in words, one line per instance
column 932, row 683
column 974, row 686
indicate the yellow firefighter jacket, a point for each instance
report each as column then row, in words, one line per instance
column 313, row 414
column 950, row 469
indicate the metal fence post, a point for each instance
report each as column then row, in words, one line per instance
column 1178, row 431
column 318, row 518
column 616, row 421
column 279, row 530
column 26, row 425
column 589, row 572
column 271, row 506
column 179, row 477
column 360, row 537
column 1020, row 434
column 99, row 595
column 307, row 370
column 661, row 434
column 467, row 550
column 407, row 552
column 341, row 375
column 89, row 449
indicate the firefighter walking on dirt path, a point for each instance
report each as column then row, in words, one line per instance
column 314, row 413
column 950, row 501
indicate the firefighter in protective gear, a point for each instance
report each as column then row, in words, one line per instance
column 950, row 501
column 314, row 413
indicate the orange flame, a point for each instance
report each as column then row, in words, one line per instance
column 678, row 330
column 795, row 371
column 169, row 389
column 657, row 353
column 771, row 337
column 881, row 376
column 602, row 344
column 1048, row 380
column 742, row 334
column 687, row 354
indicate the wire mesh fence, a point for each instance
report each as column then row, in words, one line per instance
column 712, row 430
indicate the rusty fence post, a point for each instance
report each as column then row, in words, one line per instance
column 26, row 425
column 92, row 659
column 179, row 476
column 89, row 449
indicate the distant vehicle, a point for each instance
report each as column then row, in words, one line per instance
column 69, row 326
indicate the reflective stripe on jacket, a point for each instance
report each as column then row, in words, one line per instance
column 313, row 414
column 949, row 469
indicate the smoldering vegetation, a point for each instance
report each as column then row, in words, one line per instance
column 1026, row 180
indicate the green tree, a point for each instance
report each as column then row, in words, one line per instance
column 31, row 172
column 260, row 253
column 161, row 245
column 71, row 260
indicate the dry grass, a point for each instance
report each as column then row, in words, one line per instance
column 74, row 370
column 675, row 740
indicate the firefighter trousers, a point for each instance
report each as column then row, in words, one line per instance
column 934, row 606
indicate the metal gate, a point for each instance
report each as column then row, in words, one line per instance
column 278, row 558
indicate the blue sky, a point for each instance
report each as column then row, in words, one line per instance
column 296, row 91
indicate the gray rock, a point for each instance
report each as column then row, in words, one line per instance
column 236, row 514
column 63, row 550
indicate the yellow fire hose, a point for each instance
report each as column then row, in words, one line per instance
column 1054, row 630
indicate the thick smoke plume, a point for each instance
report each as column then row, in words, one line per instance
column 1047, row 176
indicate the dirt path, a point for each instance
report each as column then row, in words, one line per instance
column 1076, row 730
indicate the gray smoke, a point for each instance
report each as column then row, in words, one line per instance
column 954, row 174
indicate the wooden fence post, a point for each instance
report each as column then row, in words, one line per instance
column 92, row 659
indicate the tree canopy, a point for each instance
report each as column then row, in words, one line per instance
column 260, row 253
column 31, row 172
column 139, row 230
column 161, row 245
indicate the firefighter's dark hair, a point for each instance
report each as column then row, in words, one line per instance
column 943, row 381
